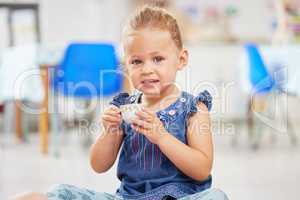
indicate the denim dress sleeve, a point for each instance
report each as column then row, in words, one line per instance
column 204, row 97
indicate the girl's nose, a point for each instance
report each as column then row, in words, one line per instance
column 147, row 69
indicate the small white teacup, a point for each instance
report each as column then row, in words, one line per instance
column 128, row 111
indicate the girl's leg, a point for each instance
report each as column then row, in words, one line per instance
column 30, row 196
column 210, row 194
column 69, row 192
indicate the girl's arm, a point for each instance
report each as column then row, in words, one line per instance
column 105, row 150
column 196, row 158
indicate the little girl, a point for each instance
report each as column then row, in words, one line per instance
column 167, row 150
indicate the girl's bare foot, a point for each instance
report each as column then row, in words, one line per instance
column 30, row 196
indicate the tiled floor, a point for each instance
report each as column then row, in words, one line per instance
column 271, row 173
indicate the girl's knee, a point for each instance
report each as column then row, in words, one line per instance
column 62, row 191
column 58, row 187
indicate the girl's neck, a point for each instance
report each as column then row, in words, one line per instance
column 163, row 99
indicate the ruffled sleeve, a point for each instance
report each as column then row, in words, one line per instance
column 203, row 97
column 120, row 99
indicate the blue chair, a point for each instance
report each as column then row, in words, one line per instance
column 263, row 83
column 260, row 78
column 87, row 71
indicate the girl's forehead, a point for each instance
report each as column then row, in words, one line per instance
column 148, row 40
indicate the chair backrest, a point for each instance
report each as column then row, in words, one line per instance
column 261, row 80
column 88, row 70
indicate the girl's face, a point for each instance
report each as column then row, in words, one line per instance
column 152, row 60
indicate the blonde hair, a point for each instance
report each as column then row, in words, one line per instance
column 155, row 17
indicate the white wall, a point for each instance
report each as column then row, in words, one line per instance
column 4, row 40
column 253, row 19
column 63, row 21
column 76, row 20
column 68, row 20
column 216, row 68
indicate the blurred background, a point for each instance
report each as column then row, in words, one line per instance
column 61, row 63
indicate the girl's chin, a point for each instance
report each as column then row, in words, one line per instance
column 150, row 92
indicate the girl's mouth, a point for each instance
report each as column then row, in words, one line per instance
column 150, row 81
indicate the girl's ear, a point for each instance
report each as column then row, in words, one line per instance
column 183, row 58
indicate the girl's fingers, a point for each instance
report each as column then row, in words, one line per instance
column 141, row 123
column 146, row 110
column 112, row 113
column 139, row 129
column 113, row 109
column 144, row 116
column 111, row 118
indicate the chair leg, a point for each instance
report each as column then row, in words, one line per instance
column 238, row 130
column 291, row 132
column 234, row 141
column 56, row 126
column 257, row 134
column 255, row 126
column 25, row 127
column 18, row 121
column 87, row 138
column 290, row 128
column 25, row 124
column 55, row 136
column 273, row 96
column 8, row 127
column 250, row 121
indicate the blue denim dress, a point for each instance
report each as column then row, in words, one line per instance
column 144, row 171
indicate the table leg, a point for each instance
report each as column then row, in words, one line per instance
column 18, row 118
column 44, row 116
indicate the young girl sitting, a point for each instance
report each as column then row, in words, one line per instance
column 167, row 150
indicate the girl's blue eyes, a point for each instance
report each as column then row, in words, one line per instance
column 156, row 60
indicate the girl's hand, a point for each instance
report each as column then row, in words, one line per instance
column 111, row 119
column 148, row 124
